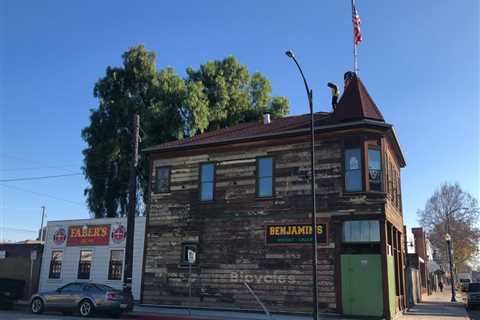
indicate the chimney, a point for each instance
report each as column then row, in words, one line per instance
column 266, row 118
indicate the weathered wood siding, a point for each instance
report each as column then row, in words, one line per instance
column 230, row 231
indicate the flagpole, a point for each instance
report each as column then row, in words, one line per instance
column 355, row 62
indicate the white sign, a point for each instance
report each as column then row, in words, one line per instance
column 3, row 254
column 191, row 256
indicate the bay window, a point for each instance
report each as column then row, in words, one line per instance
column 374, row 169
column 353, row 169
column 363, row 166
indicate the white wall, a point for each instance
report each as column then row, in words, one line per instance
column 101, row 256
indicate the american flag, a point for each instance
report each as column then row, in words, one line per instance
column 357, row 33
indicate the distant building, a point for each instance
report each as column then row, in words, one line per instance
column 90, row 250
column 22, row 261
column 240, row 198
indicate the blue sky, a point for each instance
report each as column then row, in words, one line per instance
column 419, row 61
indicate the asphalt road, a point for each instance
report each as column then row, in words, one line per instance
column 24, row 315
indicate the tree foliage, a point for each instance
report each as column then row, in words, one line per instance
column 218, row 94
column 456, row 211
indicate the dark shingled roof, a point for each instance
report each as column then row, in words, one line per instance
column 248, row 130
column 355, row 104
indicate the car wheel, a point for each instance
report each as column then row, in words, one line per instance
column 86, row 308
column 37, row 306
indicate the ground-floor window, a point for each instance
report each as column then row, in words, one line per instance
column 361, row 231
column 185, row 248
column 56, row 265
column 116, row 265
column 85, row 264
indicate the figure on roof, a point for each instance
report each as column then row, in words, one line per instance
column 335, row 94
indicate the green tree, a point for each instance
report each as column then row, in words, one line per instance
column 235, row 96
column 218, row 94
column 452, row 208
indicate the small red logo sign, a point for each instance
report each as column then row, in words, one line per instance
column 118, row 234
column 59, row 236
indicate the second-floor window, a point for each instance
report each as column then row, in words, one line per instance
column 207, row 181
column 374, row 169
column 162, row 183
column 85, row 264
column 353, row 170
column 265, row 177
column 116, row 265
column 55, row 265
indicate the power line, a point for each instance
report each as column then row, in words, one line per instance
column 40, row 178
column 42, row 194
column 40, row 168
column 18, row 230
column 40, row 163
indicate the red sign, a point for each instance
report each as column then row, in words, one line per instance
column 88, row 235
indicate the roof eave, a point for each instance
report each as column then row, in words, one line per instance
column 345, row 125
column 403, row 163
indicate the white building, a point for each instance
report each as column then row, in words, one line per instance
column 90, row 250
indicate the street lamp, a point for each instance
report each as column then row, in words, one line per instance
column 290, row 54
column 448, row 238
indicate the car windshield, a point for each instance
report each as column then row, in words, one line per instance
column 474, row 287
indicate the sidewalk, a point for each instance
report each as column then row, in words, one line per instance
column 437, row 306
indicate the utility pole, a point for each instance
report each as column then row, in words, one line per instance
column 132, row 204
column 40, row 236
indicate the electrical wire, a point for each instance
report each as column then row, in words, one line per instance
column 39, row 168
column 42, row 194
column 40, row 178
column 18, row 230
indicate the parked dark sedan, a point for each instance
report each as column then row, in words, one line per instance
column 473, row 295
column 84, row 298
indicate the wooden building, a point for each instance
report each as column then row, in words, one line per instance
column 240, row 198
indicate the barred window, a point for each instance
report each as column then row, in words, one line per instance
column 85, row 264
column 116, row 265
column 56, row 265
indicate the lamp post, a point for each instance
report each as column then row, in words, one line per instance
column 290, row 54
column 448, row 238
